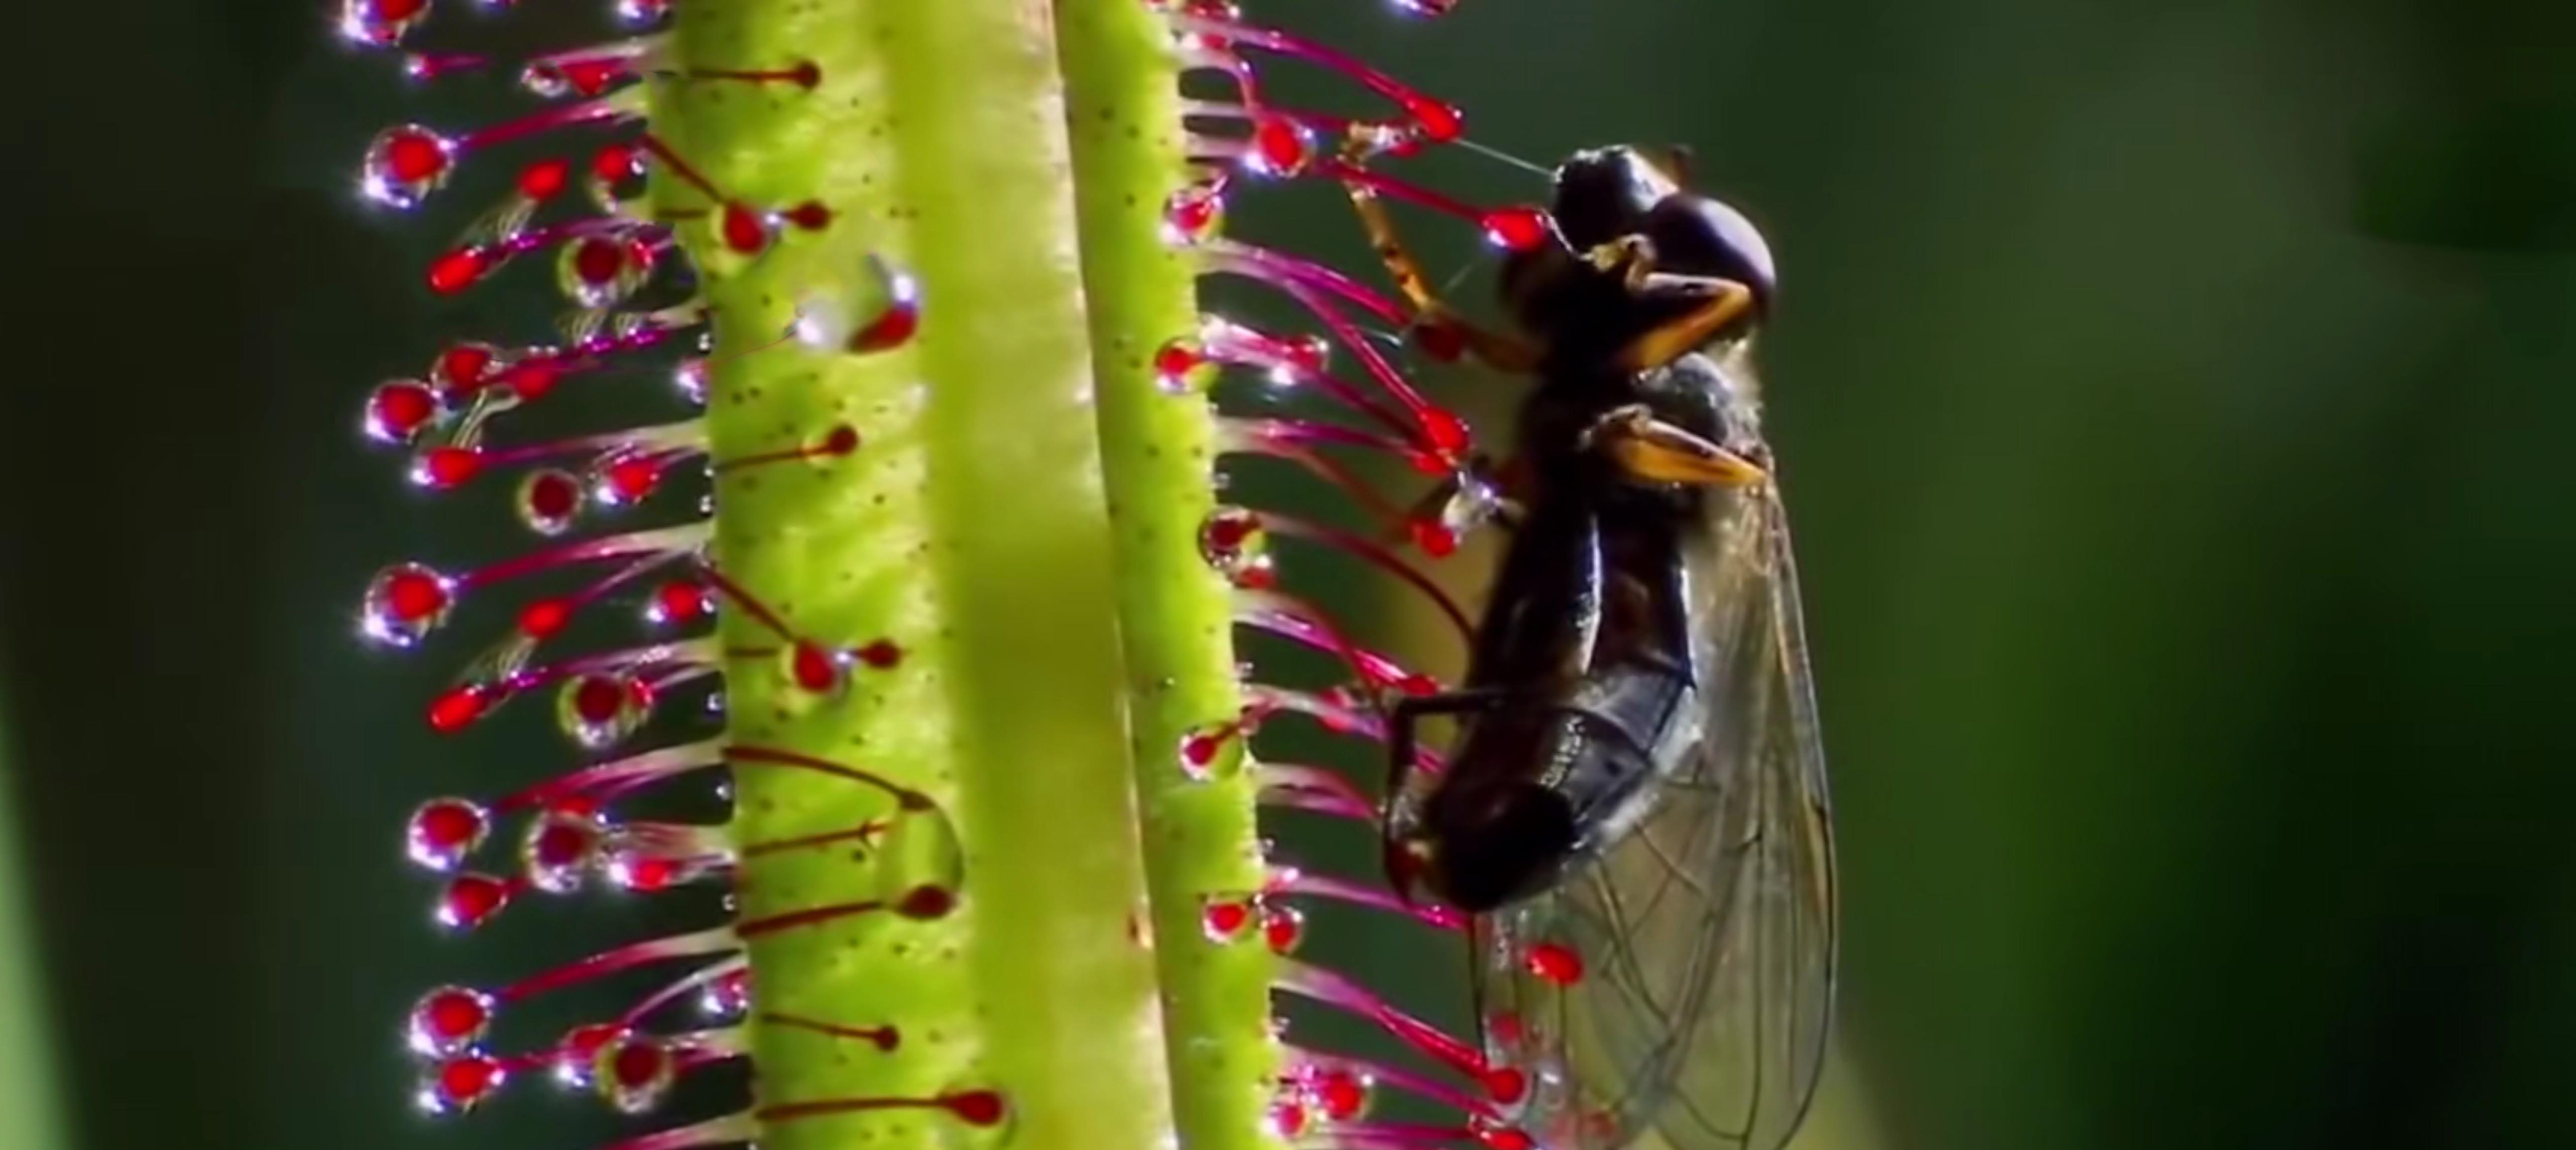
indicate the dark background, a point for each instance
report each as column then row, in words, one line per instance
column 2176, row 399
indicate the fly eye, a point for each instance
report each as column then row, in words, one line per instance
column 1602, row 194
column 1698, row 236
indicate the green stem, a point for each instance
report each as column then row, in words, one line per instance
column 970, row 530
column 1175, row 613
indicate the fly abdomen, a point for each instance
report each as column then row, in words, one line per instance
column 1538, row 782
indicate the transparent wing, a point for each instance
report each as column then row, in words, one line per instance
column 1704, row 941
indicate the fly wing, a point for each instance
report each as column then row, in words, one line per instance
column 1706, row 936
column 1760, row 1042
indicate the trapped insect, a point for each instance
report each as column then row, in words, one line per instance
column 1634, row 806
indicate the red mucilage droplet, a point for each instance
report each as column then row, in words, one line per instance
column 561, row 847
column 744, row 230
column 460, row 1083
column 405, row 164
column 814, row 669
column 380, row 23
column 635, row 1072
column 460, row 268
column 977, row 1107
column 1181, row 367
column 1227, row 918
column 678, row 601
column 1280, row 146
column 541, row 620
column 449, row 1020
column 399, row 411
column 405, row 603
column 1233, row 541
column 628, row 480
column 549, row 500
column 471, row 900
column 600, row 710
column 576, row 1056
column 880, row 654
column 443, row 831
column 447, row 468
column 1555, row 962
column 464, row 366
column 1191, row 214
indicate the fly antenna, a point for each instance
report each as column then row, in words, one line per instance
column 1500, row 156
column 1458, row 277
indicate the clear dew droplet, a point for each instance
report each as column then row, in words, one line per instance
column 600, row 710
column 690, row 379
column 1474, row 503
column 918, row 851
column 727, row 996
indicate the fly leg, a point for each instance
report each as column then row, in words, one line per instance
column 1433, row 324
column 1405, row 856
column 1720, row 303
column 1432, row 319
column 1653, row 451
column 1502, row 501
column 1408, row 712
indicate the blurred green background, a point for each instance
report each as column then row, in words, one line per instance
column 2176, row 400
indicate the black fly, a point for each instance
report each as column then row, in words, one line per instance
column 1634, row 807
